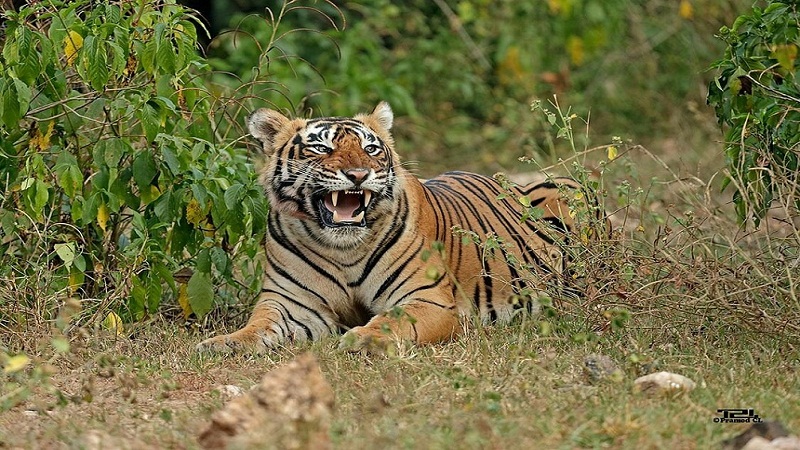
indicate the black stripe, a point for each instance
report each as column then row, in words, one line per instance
column 283, row 324
column 289, row 318
column 397, row 228
column 296, row 303
column 417, row 289
column 279, row 236
column 487, row 283
column 286, row 275
column 393, row 277
column 527, row 252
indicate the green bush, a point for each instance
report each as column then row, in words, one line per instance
column 115, row 165
column 461, row 85
column 756, row 96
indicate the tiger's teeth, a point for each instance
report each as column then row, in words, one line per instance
column 367, row 197
column 335, row 197
column 359, row 217
column 336, row 217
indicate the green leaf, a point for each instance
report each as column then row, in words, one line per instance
column 154, row 292
column 138, row 299
column 23, row 95
column 201, row 293
column 37, row 197
column 66, row 251
column 165, row 53
column 166, row 208
column 10, row 114
column 109, row 151
column 144, row 169
column 172, row 161
column 203, row 262
column 200, row 193
column 149, row 117
column 233, row 195
column 68, row 174
column 8, row 223
column 94, row 62
column 89, row 209
column 220, row 259
column 28, row 65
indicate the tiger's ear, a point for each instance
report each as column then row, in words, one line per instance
column 264, row 125
column 383, row 115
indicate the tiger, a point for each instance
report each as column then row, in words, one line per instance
column 358, row 244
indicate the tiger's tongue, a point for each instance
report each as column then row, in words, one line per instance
column 346, row 205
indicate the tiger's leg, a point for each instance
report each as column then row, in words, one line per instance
column 420, row 321
column 274, row 321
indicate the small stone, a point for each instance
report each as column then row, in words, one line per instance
column 229, row 391
column 600, row 367
column 663, row 383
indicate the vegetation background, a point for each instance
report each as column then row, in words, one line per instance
column 131, row 216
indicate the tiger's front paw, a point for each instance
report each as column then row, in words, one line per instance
column 242, row 341
column 365, row 340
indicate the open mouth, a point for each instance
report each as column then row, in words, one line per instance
column 344, row 208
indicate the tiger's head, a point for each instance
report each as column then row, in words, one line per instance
column 336, row 174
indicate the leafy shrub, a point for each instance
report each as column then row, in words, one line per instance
column 682, row 268
column 756, row 96
column 462, row 85
column 115, row 165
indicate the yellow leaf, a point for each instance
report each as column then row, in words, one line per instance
column 612, row 153
column 76, row 279
column 149, row 194
column 578, row 195
column 510, row 70
column 183, row 300
column 40, row 142
column 563, row 7
column 72, row 43
column 686, row 10
column 102, row 216
column 16, row 363
column 576, row 50
column 194, row 213
column 786, row 54
column 113, row 322
column 640, row 229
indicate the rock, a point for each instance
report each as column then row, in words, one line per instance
column 600, row 367
column 291, row 408
column 663, row 383
column 767, row 431
column 758, row 443
column 786, row 443
column 229, row 391
column 781, row 443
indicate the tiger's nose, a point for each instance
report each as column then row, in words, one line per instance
column 357, row 175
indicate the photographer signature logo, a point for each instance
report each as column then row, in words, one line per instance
column 737, row 415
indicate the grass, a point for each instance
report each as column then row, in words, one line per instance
column 496, row 387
